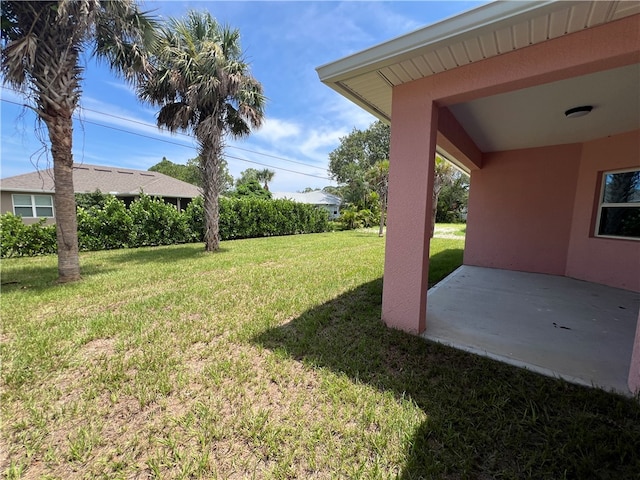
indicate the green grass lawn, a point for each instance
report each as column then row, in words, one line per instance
column 269, row 360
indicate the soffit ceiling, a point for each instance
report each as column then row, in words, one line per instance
column 519, row 119
column 535, row 116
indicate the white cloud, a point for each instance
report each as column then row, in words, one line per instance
column 122, row 86
column 319, row 141
column 275, row 129
column 349, row 114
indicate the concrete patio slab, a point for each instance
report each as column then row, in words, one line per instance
column 561, row 327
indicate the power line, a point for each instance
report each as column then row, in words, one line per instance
column 186, row 146
column 276, row 157
column 145, row 124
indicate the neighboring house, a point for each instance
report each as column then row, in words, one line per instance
column 31, row 195
column 330, row 203
column 499, row 91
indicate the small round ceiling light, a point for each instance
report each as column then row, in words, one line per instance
column 576, row 112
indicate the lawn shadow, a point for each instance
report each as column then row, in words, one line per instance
column 42, row 277
column 443, row 263
column 485, row 419
column 163, row 253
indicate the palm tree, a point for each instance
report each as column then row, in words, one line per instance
column 265, row 176
column 202, row 85
column 42, row 46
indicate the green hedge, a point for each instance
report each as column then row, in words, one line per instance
column 109, row 224
column 105, row 228
column 18, row 239
column 156, row 223
column 256, row 217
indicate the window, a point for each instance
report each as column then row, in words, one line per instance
column 619, row 208
column 33, row 205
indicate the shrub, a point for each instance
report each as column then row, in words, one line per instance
column 334, row 226
column 194, row 218
column 93, row 199
column 254, row 217
column 156, row 222
column 105, row 228
column 352, row 218
column 107, row 224
column 367, row 218
column 349, row 218
column 18, row 239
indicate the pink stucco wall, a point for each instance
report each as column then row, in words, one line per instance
column 542, row 201
column 614, row 262
column 634, row 368
column 520, row 209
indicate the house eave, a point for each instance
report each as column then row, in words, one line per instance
column 368, row 78
column 473, row 22
column 27, row 190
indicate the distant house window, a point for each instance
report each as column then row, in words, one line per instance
column 619, row 207
column 33, row 205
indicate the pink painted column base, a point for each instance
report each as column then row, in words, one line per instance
column 634, row 368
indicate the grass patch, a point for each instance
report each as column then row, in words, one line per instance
column 268, row 360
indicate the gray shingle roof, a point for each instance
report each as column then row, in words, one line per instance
column 118, row 181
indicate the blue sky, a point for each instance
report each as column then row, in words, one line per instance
column 284, row 42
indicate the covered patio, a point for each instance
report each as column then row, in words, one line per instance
column 557, row 326
column 539, row 102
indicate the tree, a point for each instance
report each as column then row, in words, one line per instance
column 226, row 179
column 453, row 199
column 202, row 84
column 337, row 191
column 357, row 153
column 247, row 176
column 378, row 178
column 251, row 189
column 443, row 175
column 248, row 185
column 186, row 173
column 190, row 172
column 265, row 176
column 42, row 46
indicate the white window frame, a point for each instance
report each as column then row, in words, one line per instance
column 602, row 204
column 33, row 205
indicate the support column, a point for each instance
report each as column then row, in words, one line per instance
column 634, row 368
column 406, row 270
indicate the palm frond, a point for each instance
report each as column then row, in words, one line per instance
column 177, row 116
column 125, row 37
column 235, row 122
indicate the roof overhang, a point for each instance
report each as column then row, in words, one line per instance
column 367, row 78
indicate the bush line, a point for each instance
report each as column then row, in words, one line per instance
column 105, row 223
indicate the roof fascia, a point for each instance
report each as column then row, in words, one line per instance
column 26, row 190
column 488, row 17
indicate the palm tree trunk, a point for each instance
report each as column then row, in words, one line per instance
column 434, row 208
column 211, row 192
column 383, row 209
column 60, row 134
